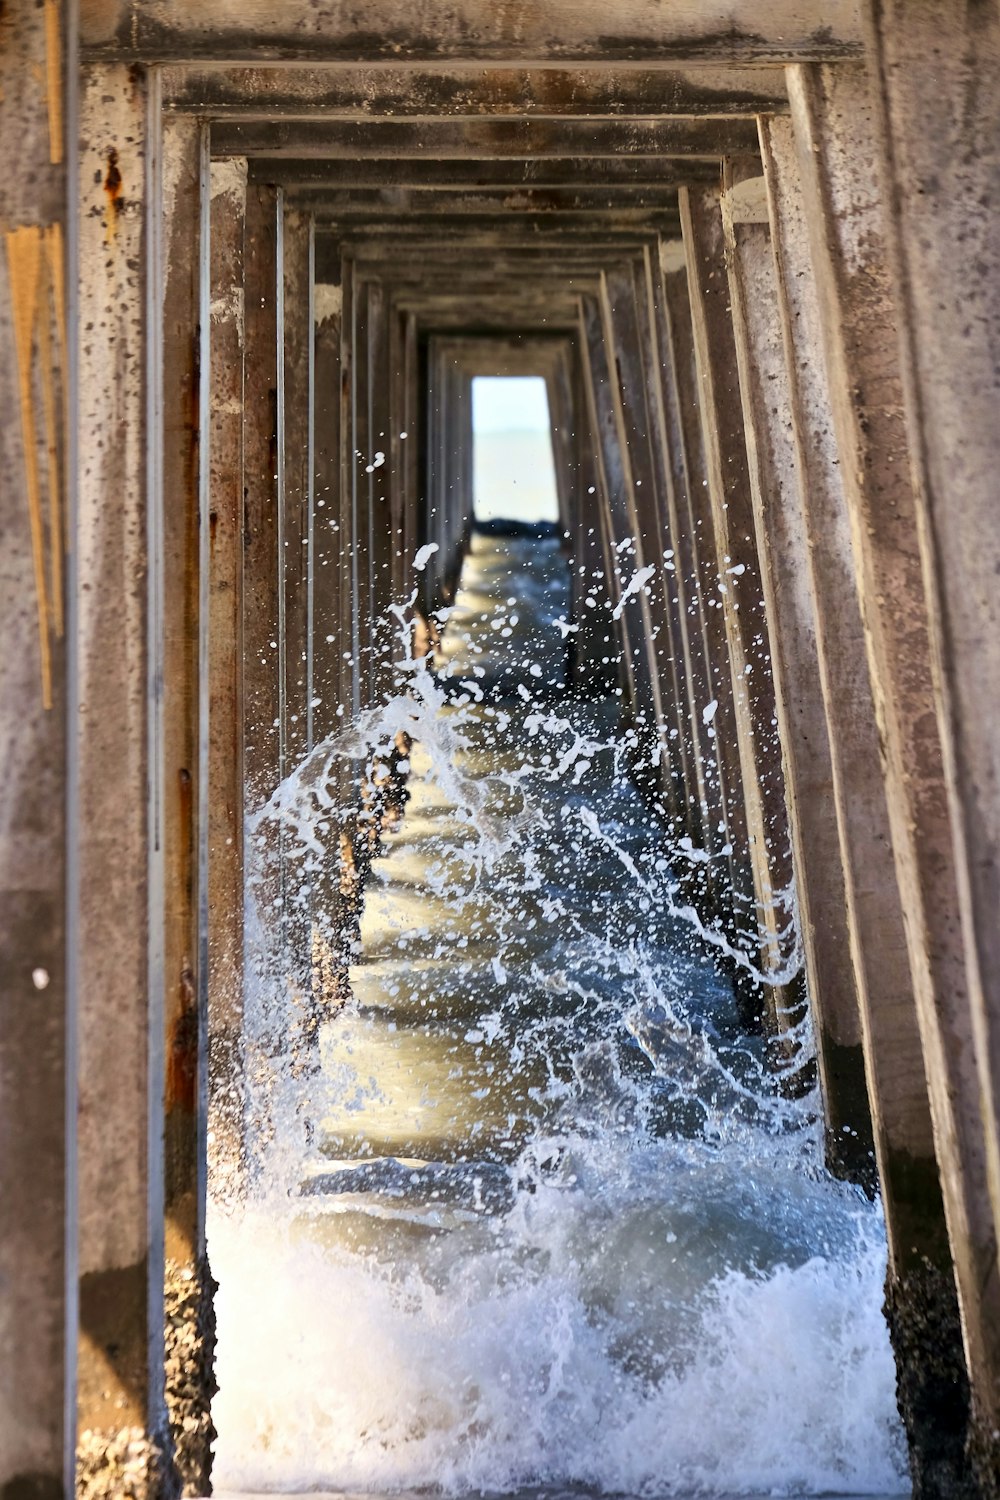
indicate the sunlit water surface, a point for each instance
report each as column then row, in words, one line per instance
column 555, row 1227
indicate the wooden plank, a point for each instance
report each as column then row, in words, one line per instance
column 409, row 92
column 560, row 31
column 471, row 139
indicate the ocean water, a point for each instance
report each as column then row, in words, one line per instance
column 533, row 1216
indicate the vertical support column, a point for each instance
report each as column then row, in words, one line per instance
column 596, row 650
column 624, row 422
column 189, row 1331
column 609, row 475
column 265, row 719
column 328, row 641
column 397, row 453
column 739, row 582
column 353, row 556
column 783, row 551
column 707, row 656
column 937, row 109
column 701, row 826
column 331, row 636
column 122, row 1415
column 645, row 502
column 225, row 771
column 379, row 484
column 834, row 132
column 37, row 1116
column 919, row 1256
column 682, row 728
column 413, row 484
column 295, row 357
column 262, row 688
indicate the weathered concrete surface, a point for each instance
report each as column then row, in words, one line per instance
column 836, row 141
column 531, row 105
column 225, row 678
column 124, row 1444
column 881, row 971
column 367, row 93
column 295, row 496
column 36, row 1420
column 263, row 755
column 486, row 140
column 461, row 30
column 706, row 652
column 189, row 1322
column 941, row 182
column 737, row 581
column 783, row 552
column 623, row 306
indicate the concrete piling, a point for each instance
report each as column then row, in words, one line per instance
column 832, row 115
column 37, row 620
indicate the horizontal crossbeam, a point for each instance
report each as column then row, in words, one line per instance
column 423, row 31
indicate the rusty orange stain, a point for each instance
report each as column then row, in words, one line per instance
column 57, row 282
column 24, row 260
column 113, row 189
column 52, row 448
column 53, row 80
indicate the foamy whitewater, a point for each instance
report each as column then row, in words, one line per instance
column 540, row 1215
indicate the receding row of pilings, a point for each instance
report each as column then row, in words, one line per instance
column 754, row 252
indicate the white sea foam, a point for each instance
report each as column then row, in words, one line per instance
column 508, row 1364
column 561, row 1227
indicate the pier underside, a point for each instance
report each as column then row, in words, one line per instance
column 254, row 259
